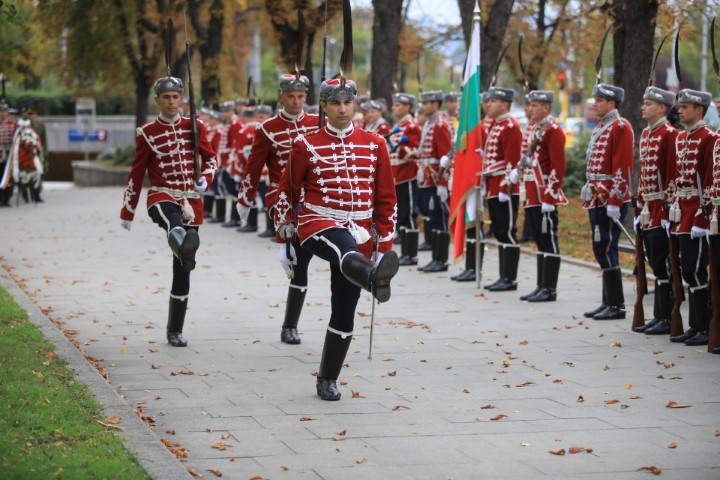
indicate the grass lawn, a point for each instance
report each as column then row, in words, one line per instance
column 48, row 422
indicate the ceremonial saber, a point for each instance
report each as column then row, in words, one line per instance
column 624, row 230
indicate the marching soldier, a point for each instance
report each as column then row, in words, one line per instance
column 164, row 149
column 502, row 154
column 271, row 149
column 606, row 194
column 404, row 140
column 657, row 167
column 374, row 121
column 543, row 171
column 7, row 130
column 26, row 158
column 435, row 143
column 347, row 216
column 692, row 185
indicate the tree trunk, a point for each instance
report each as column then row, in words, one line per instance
column 385, row 51
column 142, row 93
column 209, row 45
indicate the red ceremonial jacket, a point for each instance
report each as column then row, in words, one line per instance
column 544, row 178
column 694, row 148
column 271, row 148
column 403, row 165
column 381, row 127
column 347, row 182
column 527, row 135
column 714, row 193
column 435, row 142
column 163, row 149
column 228, row 137
column 243, row 146
column 610, row 162
column 502, row 154
column 657, row 166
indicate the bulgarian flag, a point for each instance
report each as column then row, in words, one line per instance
column 469, row 141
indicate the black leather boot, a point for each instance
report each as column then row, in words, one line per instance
column 508, row 277
column 660, row 324
column 269, row 227
column 252, row 221
column 428, row 236
column 176, row 320
column 234, row 217
column 540, row 259
column 440, row 253
column 603, row 303
column 501, row 263
column 333, row 356
column 184, row 244
column 220, row 205
column 410, row 239
column 700, row 297
column 365, row 274
column 293, row 308
column 615, row 309
column 208, row 201
column 433, row 261
column 551, row 272
column 468, row 275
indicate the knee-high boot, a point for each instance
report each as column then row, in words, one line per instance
column 603, row 302
column 440, row 253
column 548, row 287
column 501, row 270
column 410, row 243
column 176, row 320
column 269, row 227
column 511, row 254
column 220, row 204
column 662, row 309
column 468, row 275
column 540, row 258
column 252, row 221
column 295, row 301
column 365, row 274
column 208, row 201
column 615, row 309
column 333, row 356
column 184, row 244
column 428, row 236
column 700, row 298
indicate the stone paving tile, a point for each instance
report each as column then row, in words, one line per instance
column 451, row 348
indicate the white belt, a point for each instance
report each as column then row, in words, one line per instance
column 176, row 193
column 687, row 192
column 339, row 215
column 496, row 173
column 430, row 161
column 598, row 177
column 715, row 201
column 530, row 177
column 396, row 162
column 649, row 197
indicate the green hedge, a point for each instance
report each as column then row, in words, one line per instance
column 65, row 104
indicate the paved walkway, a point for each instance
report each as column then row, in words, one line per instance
column 462, row 384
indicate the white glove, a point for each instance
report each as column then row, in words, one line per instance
column 547, row 207
column 665, row 224
column 613, row 211
column 284, row 261
column 378, row 258
column 286, row 231
column 503, row 197
column 636, row 221
column 420, row 175
column 126, row 224
column 442, row 192
column 514, row 176
column 237, row 178
column 444, row 160
column 243, row 211
column 201, row 186
column 697, row 232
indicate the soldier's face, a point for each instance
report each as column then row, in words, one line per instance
column 399, row 110
column 496, row 107
column 429, row 108
column 689, row 113
column 603, row 106
column 293, row 101
column 339, row 112
column 539, row 110
column 373, row 115
column 451, row 106
column 169, row 103
column 652, row 110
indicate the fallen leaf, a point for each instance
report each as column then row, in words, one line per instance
column 524, row 342
column 499, row 416
column 623, row 406
column 357, row 394
column 465, row 390
column 580, row 399
column 717, row 433
column 343, row 382
column 635, row 397
column 628, row 386
column 611, row 402
column 194, row 473
column 338, row 439
column 485, row 407
column 672, row 445
column 215, row 472
column 605, row 367
column 392, row 373
column 114, row 420
column 525, row 384
column 672, row 404
column 155, row 366
column 557, row 452
column 258, row 477
column 342, row 433
column 652, row 469
column 220, row 446
column 574, row 450
column 110, row 425
column 558, row 381
column 400, row 407
column 524, row 444
column 361, row 460
column 616, row 344
column 182, row 372
column 307, row 419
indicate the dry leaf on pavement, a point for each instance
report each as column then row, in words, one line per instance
column 220, row 446
column 357, row 394
column 672, row 445
column 215, row 472
column 361, row 460
column 400, row 407
column 525, row 384
column 557, row 452
column 499, row 416
column 652, row 469
column 672, row 404
column 485, row 407
column 612, row 401
column 194, row 473
column 307, row 419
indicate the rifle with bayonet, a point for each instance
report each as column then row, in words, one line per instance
column 197, row 167
column 714, row 255
column 321, row 113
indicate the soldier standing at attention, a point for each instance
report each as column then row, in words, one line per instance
column 606, row 194
column 271, row 149
column 7, row 130
column 164, row 149
column 347, row 216
column 657, row 167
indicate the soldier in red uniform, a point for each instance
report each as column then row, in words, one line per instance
column 26, row 158
column 687, row 214
column 657, row 167
column 607, row 193
column 542, row 170
column 223, row 184
column 502, row 154
column 347, row 216
column 435, row 143
column 213, row 120
column 713, row 208
column 271, row 149
column 164, row 150
column 402, row 143
column 7, row 130
column 374, row 121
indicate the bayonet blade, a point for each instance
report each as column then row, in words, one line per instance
column 598, row 60
column 346, row 58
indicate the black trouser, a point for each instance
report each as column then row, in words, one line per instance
column 503, row 217
column 332, row 245
column 547, row 241
column 167, row 216
column 300, row 280
column 657, row 250
column 431, row 207
column 605, row 247
column 407, row 204
column 693, row 260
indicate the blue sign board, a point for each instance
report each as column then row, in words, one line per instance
column 99, row 135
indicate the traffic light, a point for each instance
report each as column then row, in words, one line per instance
column 562, row 80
